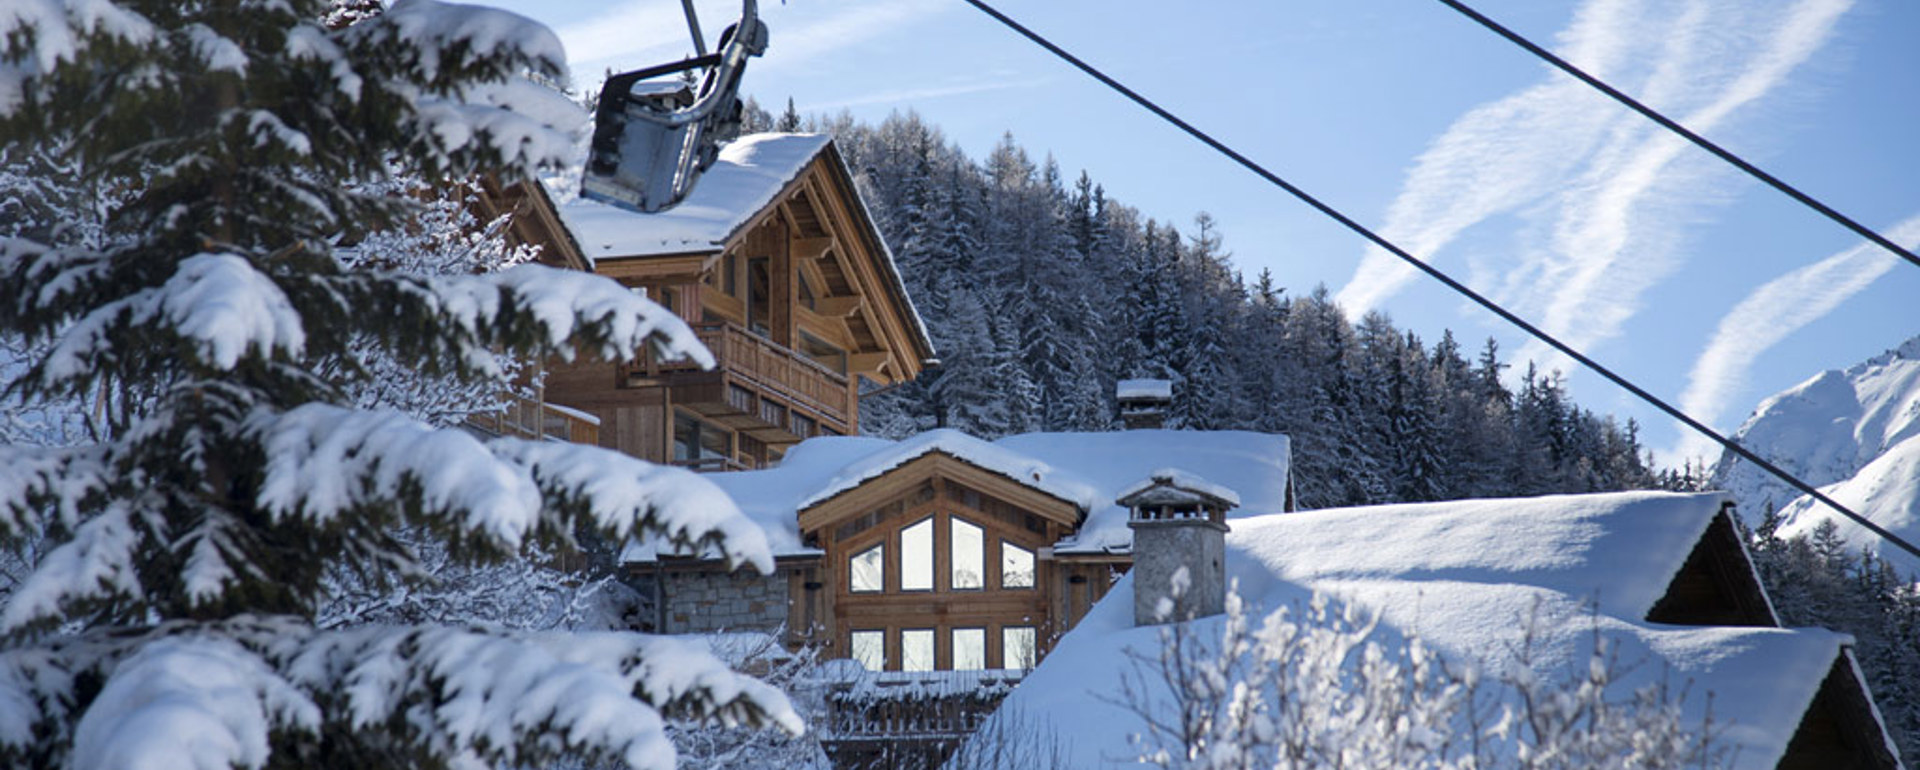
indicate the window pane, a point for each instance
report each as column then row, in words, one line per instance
column 969, row 555
column 916, row 650
column 1016, row 566
column 969, row 649
column 866, row 571
column 916, row 557
column 869, row 648
column 1016, row 647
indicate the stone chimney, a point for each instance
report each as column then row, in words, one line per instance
column 1179, row 524
column 1144, row 403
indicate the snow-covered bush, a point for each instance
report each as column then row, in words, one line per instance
column 1320, row 686
column 171, row 617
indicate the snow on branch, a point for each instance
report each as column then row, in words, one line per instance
column 97, row 563
column 475, row 77
column 481, row 693
column 217, row 304
column 41, row 34
column 530, row 308
column 626, row 497
column 36, row 479
column 240, row 692
column 190, row 703
column 59, row 279
column 455, row 37
column 324, row 461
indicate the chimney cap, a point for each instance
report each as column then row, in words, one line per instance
column 1173, row 486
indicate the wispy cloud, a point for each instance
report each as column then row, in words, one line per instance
column 1773, row 311
column 1603, row 198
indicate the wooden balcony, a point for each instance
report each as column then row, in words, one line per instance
column 529, row 419
column 757, row 386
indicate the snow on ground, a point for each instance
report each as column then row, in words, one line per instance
column 745, row 178
column 1465, row 577
column 1089, row 469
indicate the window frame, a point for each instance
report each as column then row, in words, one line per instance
column 954, row 521
column 881, row 547
column 1033, row 566
column 1033, row 647
column 933, row 551
column 853, row 654
column 933, row 648
column 953, row 645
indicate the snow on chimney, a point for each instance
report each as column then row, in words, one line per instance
column 1144, row 403
column 1179, row 524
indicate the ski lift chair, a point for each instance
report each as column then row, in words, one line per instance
column 654, row 133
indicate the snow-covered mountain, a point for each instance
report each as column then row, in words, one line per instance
column 1853, row 433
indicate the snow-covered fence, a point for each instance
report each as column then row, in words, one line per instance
column 905, row 718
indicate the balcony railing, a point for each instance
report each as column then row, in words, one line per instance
column 754, row 361
column 526, row 418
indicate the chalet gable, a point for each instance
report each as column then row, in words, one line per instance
column 788, row 198
column 1717, row 585
column 938, row 467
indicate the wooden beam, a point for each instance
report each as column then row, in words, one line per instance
column 837, row 307
column 681, row 268
column 812, row 248
column 868, row 362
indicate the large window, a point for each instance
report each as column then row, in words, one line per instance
column 869, row 648
column 1017, row 647
column 969, row 555
column 866, row 570
column 916, row 649
column 969, row 649
column 1016, row 566
column 916, row 557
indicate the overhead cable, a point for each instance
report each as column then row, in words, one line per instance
column 1674, row 126
column 1443, row 278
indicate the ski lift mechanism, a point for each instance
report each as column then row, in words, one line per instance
column 653, row 134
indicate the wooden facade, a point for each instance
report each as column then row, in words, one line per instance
column 798, row 304
column 966, row 515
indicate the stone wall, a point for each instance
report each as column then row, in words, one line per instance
column 699, row 600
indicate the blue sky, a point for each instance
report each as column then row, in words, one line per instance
column 1655, row 258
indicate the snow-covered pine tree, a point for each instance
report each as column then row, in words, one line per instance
column 170, row 621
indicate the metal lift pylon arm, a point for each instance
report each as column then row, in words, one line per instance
column 652, row 137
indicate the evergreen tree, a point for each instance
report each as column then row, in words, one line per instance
column 187, row 550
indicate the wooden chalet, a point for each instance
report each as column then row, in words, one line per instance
column 775, row 262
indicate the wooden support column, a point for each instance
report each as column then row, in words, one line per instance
column 780, row 276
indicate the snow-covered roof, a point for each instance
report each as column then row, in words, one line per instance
column 1088, row 469
column 746, row 177
column 1464, row 577
column 1025, row 469
column 1128, row 390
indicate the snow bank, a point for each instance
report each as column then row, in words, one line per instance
column 742, row 181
